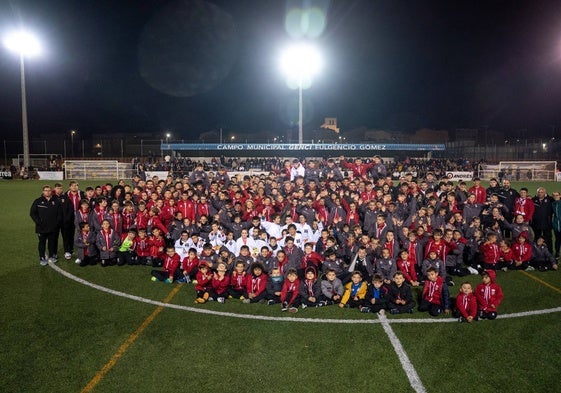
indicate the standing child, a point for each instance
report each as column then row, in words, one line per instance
column 204, row 282
column 290, row 291
column 435, row 298
column 84, row 241
column 466, row 304
column 489, row 295
column 126, row 253
column 376, row 296
column 256, row 284
column 491, row 253
column 400, row 297
column 143, row 248
column 355, row 291
column 310, row 289
column 170, row 267
column 238, row 281
column 157, row 247
column 220, row 283
column 386, row 266
column 406, row 265
column 107, row 242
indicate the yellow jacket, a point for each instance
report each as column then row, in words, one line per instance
column 361, row 292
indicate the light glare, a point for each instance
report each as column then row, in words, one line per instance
column 23, row 43
column 301, row 62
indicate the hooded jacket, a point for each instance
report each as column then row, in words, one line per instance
column 489, row 296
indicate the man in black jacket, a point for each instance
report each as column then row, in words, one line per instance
column 542, row 220
column 46, row 212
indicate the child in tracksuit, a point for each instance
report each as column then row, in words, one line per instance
column 541, row 256
column 400, row 296
column 274, row 286
column 290, row 292
column 84, row 241
column 170, row 270
column 489, row 295
column 310, row 289
column 220, row 283
column 435, row 298
column 332, row 288
column 256, row 284
column 466, row 304
column 204, row 282
column 522, row 253
column 376, row 296
column 386, row 266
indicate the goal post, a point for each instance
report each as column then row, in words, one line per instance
column 106, row 169
column 520, row 170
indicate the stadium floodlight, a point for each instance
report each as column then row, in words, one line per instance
column 24, row 44
column 301, row 62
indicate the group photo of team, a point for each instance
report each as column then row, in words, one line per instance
column 314, row 233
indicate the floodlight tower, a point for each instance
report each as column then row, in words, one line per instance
column 26, row 45
column 300, row 63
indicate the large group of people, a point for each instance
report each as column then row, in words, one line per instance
column 310, row 234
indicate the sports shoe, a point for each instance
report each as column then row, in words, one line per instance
column 293, row 310
column 210, row 299
column 195, row 282
column 472, row 270
column 530, row 269
column 220, row 300
column 451, row 283
column 230, row 297
column 78, row 261
column 304, row 306
column 200, row 300
column 53, row 260
column 270, row 302
column 284, row 306
column 67, row 255
column 153, row 279
column 394, row 311
column 206, row 296
column 246, row 301
column 322, row 303
column 504, row 269
column 242, row 297
column 382, row 312
column 43, row 262
column 365, row 309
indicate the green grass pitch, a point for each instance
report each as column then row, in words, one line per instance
column 58, row 334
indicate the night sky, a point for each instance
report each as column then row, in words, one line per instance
column 189, row 66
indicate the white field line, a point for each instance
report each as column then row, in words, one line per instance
column 284, row 319
column 406, row 364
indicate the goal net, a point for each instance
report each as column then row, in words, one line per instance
column 86, row 170
column 520, row 170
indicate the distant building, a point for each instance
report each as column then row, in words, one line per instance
column 330, row 123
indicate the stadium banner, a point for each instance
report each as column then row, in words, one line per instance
column 358, row 147
column 465, row 176
column 6, row 175
column 161, row 174
column 50, row 175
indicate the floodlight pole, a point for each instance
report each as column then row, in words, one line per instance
column 24, row 115
column 300, row 117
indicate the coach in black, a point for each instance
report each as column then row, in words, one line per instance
column 46, row 212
